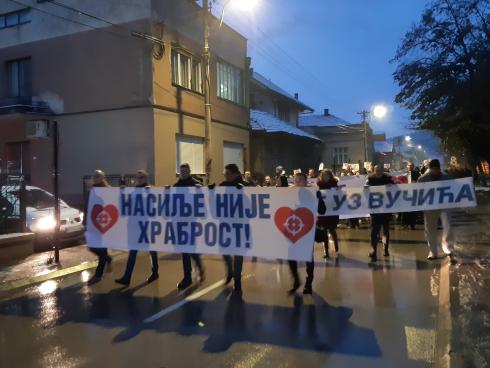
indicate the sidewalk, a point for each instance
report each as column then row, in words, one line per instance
column 39, row 267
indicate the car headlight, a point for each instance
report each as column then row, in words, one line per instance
column 47, row 223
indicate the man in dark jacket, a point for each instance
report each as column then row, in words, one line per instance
column 281, row 179
column 142, row 181
column 233, row 178
column 99, row 181
column 380, row 220
column 410, row 218
column 186, row 180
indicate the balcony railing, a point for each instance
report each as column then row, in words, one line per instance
column 23, row 105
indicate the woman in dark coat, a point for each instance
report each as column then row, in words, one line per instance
column 328, row 223
column 99, row 180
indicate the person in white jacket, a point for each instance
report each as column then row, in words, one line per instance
column 431, row 218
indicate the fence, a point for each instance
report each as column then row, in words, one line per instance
column 12, row 208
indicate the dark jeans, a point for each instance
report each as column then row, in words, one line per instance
column 234, row 267
column 409, row 219
column 377, row 222
column 310, row 267
column 103, row 258
column 132, row 262
column 186, row 264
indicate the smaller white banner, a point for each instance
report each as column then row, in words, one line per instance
column 457, row 193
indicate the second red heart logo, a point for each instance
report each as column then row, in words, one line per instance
column 294, row 224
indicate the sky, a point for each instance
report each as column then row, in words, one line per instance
column 335, row 53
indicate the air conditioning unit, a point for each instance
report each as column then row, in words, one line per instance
column 37, row 129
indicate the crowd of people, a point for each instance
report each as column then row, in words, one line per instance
column 326, row 226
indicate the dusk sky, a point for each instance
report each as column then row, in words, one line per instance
column 334, row 53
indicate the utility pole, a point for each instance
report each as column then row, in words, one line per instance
column 207, row 93
column 364, row 115
column 56, row 192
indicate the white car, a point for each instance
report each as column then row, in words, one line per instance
column 40, row 214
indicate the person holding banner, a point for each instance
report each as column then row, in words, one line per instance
column 186, row 180
column 431, row 218
column 328, row 223
column 410, row 218
column 99, row 181
column 233, row 178
column 379, row 220
column 142, row 181
column 300, row 180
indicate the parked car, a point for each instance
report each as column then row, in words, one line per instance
column 40, row 215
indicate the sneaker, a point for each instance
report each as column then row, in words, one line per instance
column 373, row 256
column 184, row 283
column 308, row 290
column 386, row 252
column 154, row 276
column 431, row 256
column 123, row 281
column 295, row 287
column 94, row 279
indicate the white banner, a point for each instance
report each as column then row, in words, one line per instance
column 252, row 221
column 435, row 195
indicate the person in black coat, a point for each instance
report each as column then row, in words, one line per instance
column 186, row 180
column 380, row 220
column 410, row 218
column 281, row 179
column 234, row 265
column 141, row 182
column 99, row 181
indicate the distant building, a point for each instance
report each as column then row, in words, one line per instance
column 123, row 101
column 342, row 142
column 275, row 138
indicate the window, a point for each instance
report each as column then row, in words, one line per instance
column 283, row 112
column 233, row 154
column 190, row 150
column 15, row 18
column 230, row 83
column 19, row 78
column 186, row 71
column 340, row 155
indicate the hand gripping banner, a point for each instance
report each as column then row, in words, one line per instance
column 275, row 223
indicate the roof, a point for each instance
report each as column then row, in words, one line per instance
column 268, row 84
column 383, row 147
column 329, row 120
column 263, row 121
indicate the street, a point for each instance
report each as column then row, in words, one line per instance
column 393, row 312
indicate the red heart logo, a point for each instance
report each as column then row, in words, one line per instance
column 104, row 217
column 294, row 224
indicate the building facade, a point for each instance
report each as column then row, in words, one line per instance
column 125, row 85
column 342, row 142
column 275, row 137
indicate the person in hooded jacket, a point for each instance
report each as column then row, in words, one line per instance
column 99, row 181
column 328, row 223
column 186, row 180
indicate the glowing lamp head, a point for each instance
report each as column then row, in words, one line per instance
column 380, row 111
column 408, row 138
column 244, row 5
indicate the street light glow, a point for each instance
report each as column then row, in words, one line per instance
column 408, row 138
column 419, row 147
column 244, row 5
column 380, row 111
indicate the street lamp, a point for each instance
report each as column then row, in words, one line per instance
column 419, row 147
column 380, row 111
column 206, row 56
column 408, row 138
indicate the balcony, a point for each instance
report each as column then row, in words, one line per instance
column 24, row 105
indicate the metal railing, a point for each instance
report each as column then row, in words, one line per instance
column 12, row 206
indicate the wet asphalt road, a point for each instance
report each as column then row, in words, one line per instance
column 395, row 312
